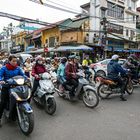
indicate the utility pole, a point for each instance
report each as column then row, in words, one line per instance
column 92, row 18
column 104, row 23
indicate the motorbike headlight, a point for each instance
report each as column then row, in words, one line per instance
column 20, row 81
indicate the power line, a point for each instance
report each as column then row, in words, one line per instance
column 61, row 5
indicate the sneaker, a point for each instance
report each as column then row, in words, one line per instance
column 0, row 123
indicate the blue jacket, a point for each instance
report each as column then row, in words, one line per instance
column 61, row 70
column 114, row 68
column 6, row 74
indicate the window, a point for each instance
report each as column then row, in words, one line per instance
column 132, row 34
column 51, row 41
column 102, row 13
column 115, row 28
column 127, row 32
column 115, row 11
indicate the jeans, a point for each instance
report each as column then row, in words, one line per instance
column 74, row 84
column 4, row 99
column 35, row 86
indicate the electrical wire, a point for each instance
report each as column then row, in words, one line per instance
column 62, row 5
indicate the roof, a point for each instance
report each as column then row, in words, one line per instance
column 76, row 23
column 85, row 5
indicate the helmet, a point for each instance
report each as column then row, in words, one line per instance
column 39, row 58
column 56, row 58
column 115, row 57
column 64, row 60
column 72, row 56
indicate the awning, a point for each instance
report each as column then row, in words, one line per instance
column 30, row 48
column 73, row 48
column 39, row 51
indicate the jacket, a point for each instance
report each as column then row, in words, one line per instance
column 38, row 69
column 6, row 74
column 61, row 70
column 70, row 70
column 114, row 68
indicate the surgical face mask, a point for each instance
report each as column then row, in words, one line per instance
column 40, row 62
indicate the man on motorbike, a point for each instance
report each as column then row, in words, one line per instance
column 71, row 70
column 37, row 69
column 113, row 70
column 8, row 71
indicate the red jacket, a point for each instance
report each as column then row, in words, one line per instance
column 38, row 69
column 70, row 70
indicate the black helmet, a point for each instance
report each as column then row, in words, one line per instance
column 72, row 56
column 63, row 60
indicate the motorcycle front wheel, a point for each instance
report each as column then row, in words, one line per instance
column 27, row 122
column 90, row 98
column 50, row 106
column 103, row 91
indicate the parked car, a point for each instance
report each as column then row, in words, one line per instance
column 101, row 66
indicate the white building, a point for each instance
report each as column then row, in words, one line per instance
column 121, row 28
column 5, row 45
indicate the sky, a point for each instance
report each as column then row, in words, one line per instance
column 26, row 8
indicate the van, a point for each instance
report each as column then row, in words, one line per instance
column 23, row 57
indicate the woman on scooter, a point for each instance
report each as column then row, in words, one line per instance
column 8, row 71
column 38, row 68
column 61, row 71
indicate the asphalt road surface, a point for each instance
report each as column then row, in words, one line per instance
column 111, row 120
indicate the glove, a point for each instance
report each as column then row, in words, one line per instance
column 2, row 82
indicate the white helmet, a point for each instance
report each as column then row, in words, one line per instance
column 115, row 57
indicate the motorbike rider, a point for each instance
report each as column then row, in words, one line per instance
column 61, row 71
column 71, row 70
column 86, row 63
column 37, row 69
column 8, row 71
column 113, row 70
column 48, row 63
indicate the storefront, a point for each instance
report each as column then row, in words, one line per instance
column 17, row 49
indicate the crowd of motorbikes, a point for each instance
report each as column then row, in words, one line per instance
column 90, row 89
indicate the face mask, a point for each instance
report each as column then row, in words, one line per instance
column 40, row 62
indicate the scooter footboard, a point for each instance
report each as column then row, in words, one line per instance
column 26, row 107
column 89, row 87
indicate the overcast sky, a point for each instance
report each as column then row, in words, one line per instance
column 29, row 9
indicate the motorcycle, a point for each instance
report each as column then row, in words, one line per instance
column 18, row 105
column 109, row 87
column 44, row 94
column 84, row 91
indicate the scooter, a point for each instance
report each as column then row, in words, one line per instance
column 84, row 90
column 44, row 94
column 18, row 105
column 109, row 87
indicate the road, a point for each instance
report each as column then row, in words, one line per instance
column 111, row 120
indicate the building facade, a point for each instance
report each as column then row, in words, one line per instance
column 120, row 25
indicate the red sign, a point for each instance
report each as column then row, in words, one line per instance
column 45, row 49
